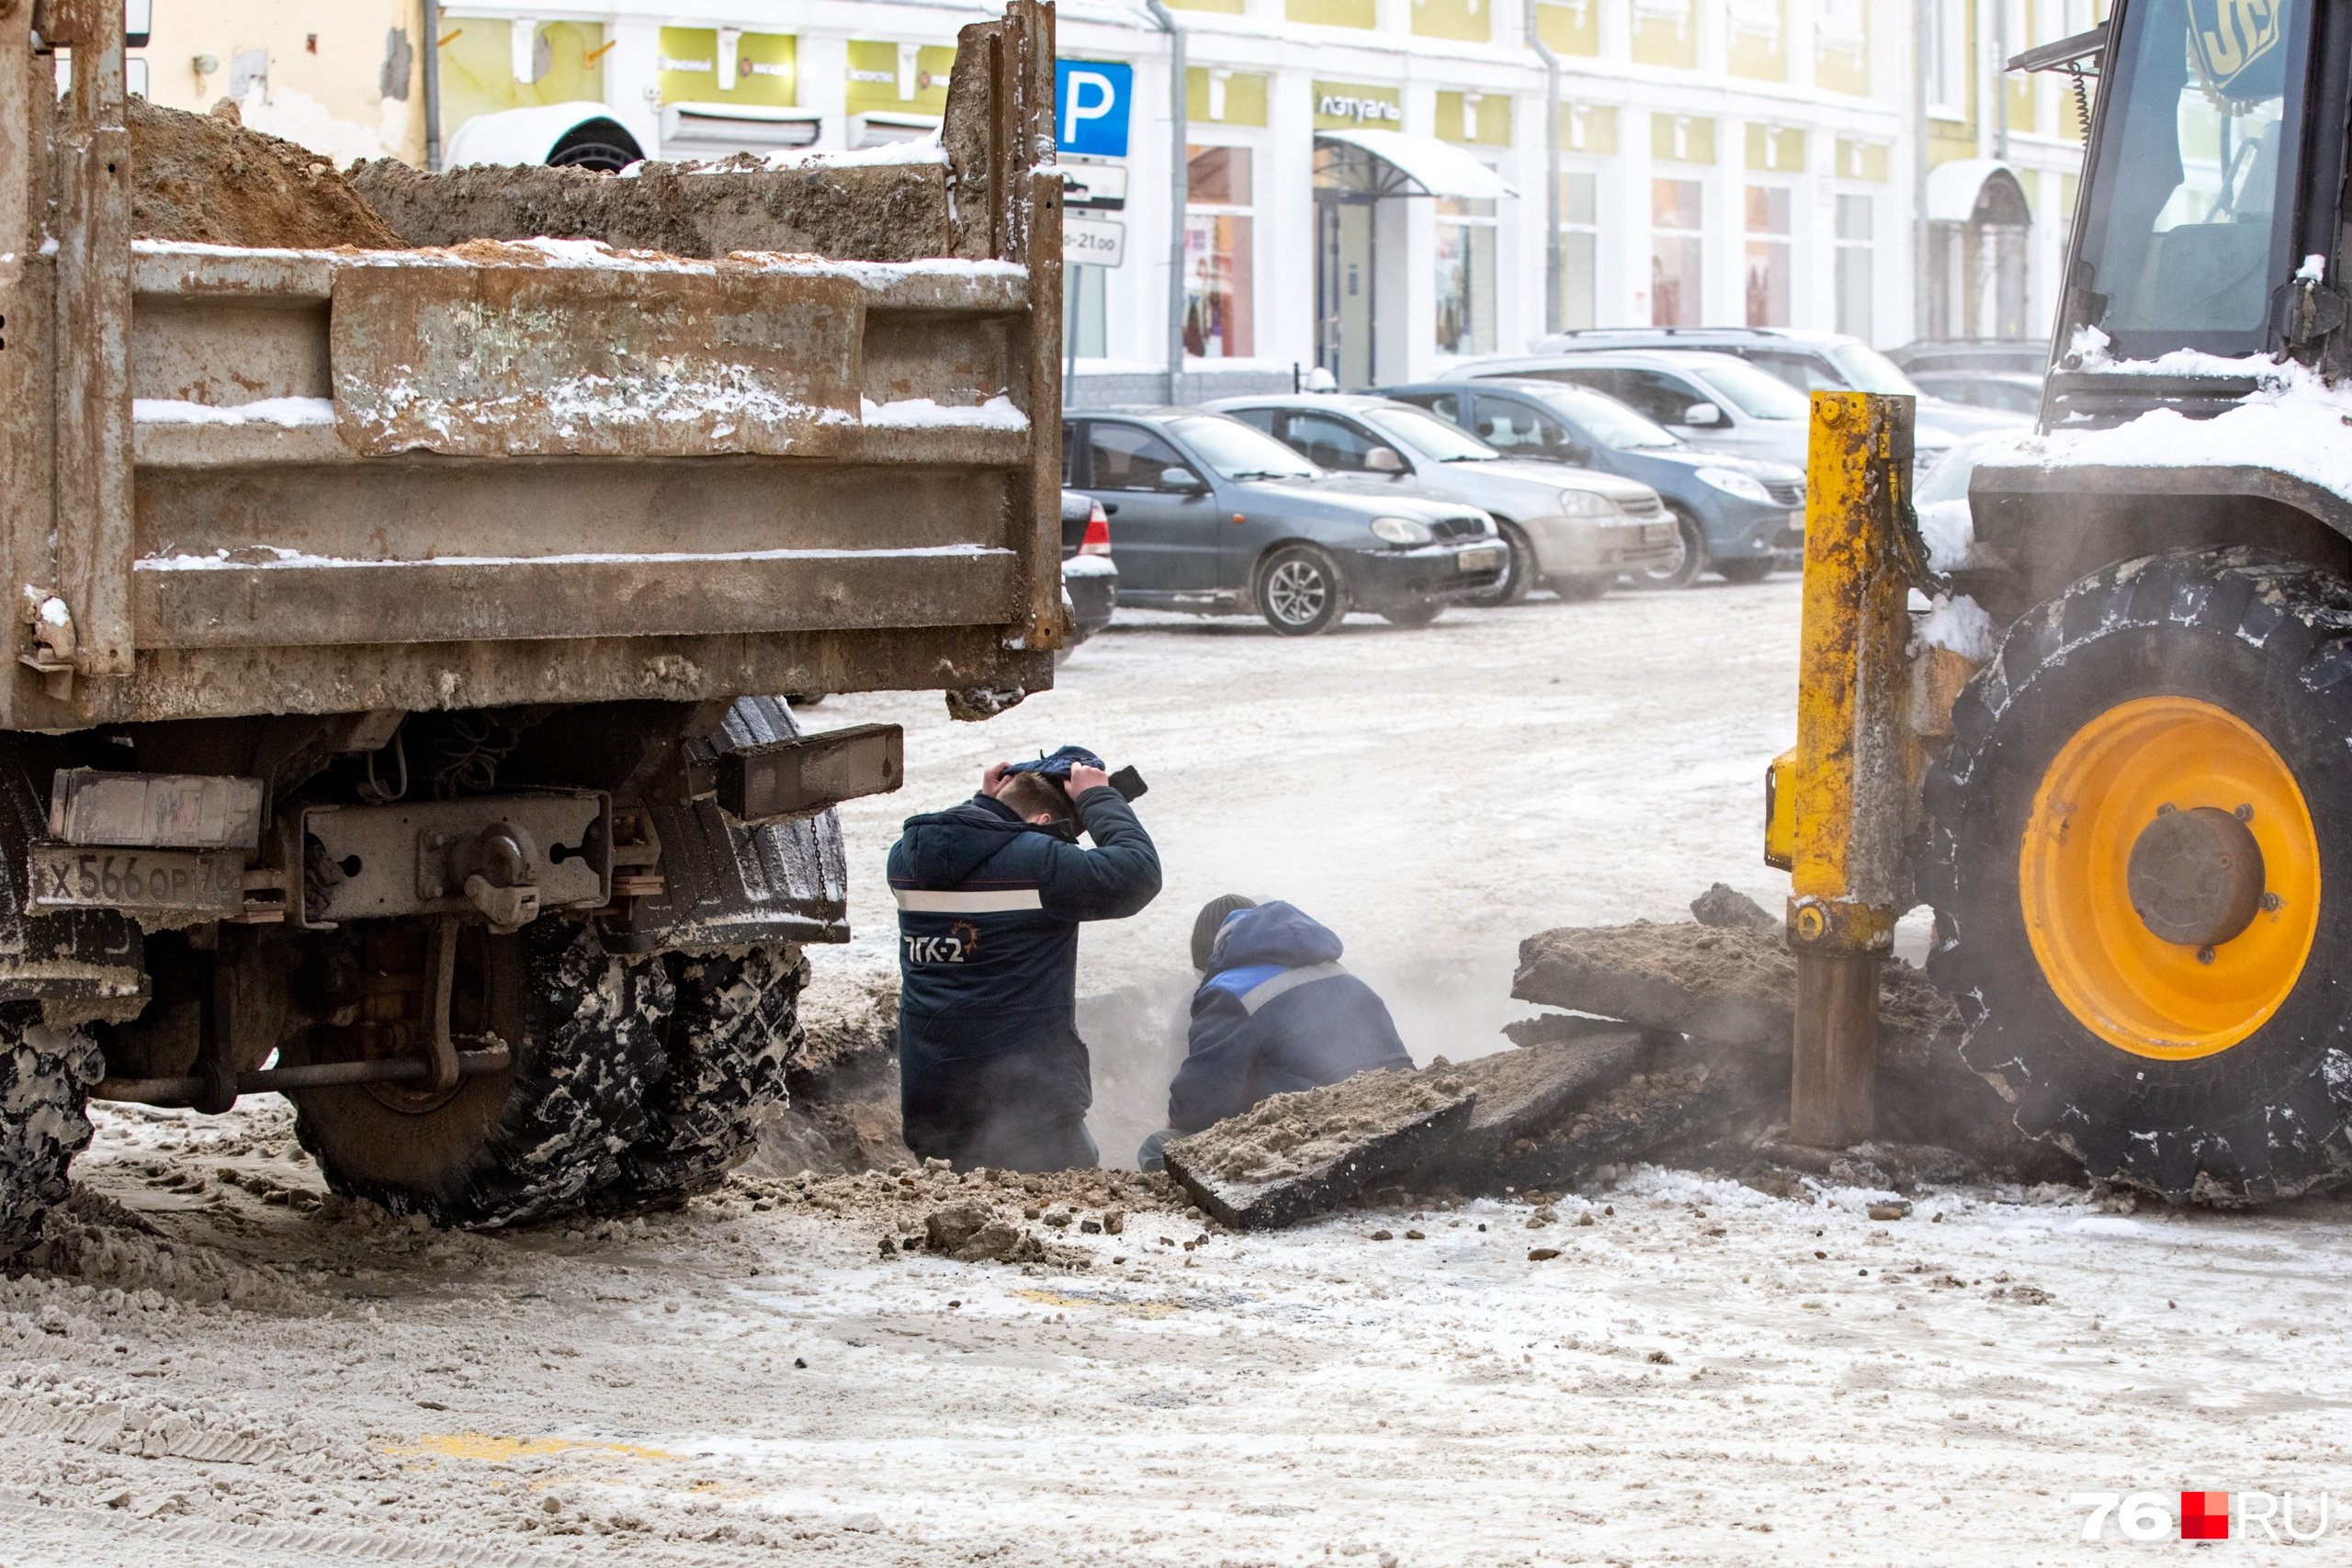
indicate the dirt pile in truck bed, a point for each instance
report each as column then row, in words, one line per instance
column 207, row 179
column 891, row 212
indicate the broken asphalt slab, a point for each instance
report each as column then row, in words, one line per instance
column 1294, row 1155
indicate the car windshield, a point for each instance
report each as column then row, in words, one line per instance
column 1431, row 436
column 1759, row 394
column 1237, row 451
column 1608, row 422
column 1868, row 370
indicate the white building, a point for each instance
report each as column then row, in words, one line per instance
column 1365, row 178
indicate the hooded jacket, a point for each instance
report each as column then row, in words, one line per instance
column 989, row 910
column 1277, row 1014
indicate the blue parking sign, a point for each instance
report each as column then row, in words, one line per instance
column 1091, row 106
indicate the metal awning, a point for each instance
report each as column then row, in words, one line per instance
column 1431, row 167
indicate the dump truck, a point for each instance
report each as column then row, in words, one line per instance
column 399, row 717
column 2128, row 795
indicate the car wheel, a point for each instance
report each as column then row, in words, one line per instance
column 1518, row 570
column 1414, row 615
column 1578, row 585
column 1747, row 569
column 1690, row 558
column 1300, row 592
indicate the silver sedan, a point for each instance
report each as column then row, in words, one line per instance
column 1572, row 530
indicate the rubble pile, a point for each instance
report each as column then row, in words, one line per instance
column 1673, row 1046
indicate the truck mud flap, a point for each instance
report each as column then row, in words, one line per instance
column 727, row 886
column 80, row 965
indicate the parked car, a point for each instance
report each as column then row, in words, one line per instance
column 1215, row 516
column 1739, row 516
column 1090, row 574
column 1717, row 402
column 1811, row 362
column 1929, row 355
column 2008, row 391
column 1576, row 532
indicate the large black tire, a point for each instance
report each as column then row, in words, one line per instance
column 2269, row 642
column 45, row 1075
column 1300, row 591
column 1518, row 570
column 535, row 1140
column 1690, row 558
column 734, row 1029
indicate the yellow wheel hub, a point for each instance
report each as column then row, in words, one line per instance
column 2186, row 997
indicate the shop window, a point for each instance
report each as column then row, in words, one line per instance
column 1465, row 276
column 1220, row 274
column 1856, row 262
column 1676, row 252
column 1580, row 245
column 1768, row 255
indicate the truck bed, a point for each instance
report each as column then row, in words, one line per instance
column 486, row 473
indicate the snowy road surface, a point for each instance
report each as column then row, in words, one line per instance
column 1704, row 1374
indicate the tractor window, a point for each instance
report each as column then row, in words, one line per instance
column 2193, row 197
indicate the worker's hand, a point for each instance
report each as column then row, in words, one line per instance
column 1083, row 778
column 992, row 780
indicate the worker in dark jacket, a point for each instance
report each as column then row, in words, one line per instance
column 990, row 893
column 1275, row 1013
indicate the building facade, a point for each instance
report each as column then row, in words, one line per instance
column 1364, row 180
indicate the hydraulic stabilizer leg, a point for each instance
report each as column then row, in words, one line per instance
column 1842, row 802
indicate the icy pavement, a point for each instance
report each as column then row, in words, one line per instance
column 1702, row 1374
column 231, row 1379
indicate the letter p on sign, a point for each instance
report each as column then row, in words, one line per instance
column 1091, row 107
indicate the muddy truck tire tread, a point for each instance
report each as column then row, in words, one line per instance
column 2268, row 641
column 45, row 1075
column 536, row 1140
column 734, row 1030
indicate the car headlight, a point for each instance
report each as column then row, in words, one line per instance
column 1401, row 531
column 1731, row 482
column 1585, row 504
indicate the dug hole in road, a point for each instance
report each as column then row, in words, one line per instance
column 214, row 1366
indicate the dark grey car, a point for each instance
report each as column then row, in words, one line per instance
column 1212, row 516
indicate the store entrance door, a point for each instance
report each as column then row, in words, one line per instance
column 1343, row 283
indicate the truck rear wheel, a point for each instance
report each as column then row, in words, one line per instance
column 2142, row 866
column 44, row 1075
column 534, row 1139
column 735, row 1027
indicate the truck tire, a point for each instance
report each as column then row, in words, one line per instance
column 2151, row 996
column 734, row 1029
column 1300, row 592
column 533, row 1140
column 44, row 1075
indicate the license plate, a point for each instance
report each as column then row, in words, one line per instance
column 1657, row 532
column 1478, row 560
column 67, row 876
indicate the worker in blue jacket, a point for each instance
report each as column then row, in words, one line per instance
column 992, row 1070
column 1275, row 1013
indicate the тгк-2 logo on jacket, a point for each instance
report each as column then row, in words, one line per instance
column 962, row 941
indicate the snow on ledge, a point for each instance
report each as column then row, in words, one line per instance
column 2292, row 424
column 286, row 411
column 927, row 414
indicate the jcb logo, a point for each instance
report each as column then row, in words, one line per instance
column 2230, row 37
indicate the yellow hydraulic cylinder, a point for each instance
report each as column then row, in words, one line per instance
column 1842, row 801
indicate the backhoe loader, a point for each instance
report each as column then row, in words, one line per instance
column 2132, row 814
